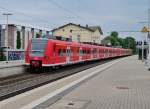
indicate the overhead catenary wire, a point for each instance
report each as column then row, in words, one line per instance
column 67, row 10
column 26, row 15
column 44, row 20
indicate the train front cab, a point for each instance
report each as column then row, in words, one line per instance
column 36, row 55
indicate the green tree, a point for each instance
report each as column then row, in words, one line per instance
column 112, row 39
column 18, row 40
column 115, row 40
column 114, row 34
column 129, row 42
column 120, row 40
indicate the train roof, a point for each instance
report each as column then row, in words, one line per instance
column 78, row 44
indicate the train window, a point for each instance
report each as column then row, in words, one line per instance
column 38, row 47
column 80, row 52
column 97, row 51
column 60, row 52
column 94, row 51
column 100, row 50
column 106, row 51
column 88, row 51
column 70, row 52
column 83, row 51
column 91, row 51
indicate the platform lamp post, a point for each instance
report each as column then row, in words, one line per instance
column 6, row 37
column 148, row 37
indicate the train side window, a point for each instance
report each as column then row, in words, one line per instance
column 106, row 51
column 80, row 52
column 60, row 53
column 88, row 51
column 97, row 51
column 83, row 51
column 94, row 51
column 100, row 50
column 91, row 51
column 71, row 52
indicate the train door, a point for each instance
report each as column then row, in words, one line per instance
column 68, row 54
column 97, row 52
column 92, row 53
column 80, row 54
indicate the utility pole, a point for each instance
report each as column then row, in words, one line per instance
column 148, row 35
column 143, row 48
column 6, row 36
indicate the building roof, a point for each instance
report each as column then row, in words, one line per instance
column 92, row 28
column 30, row 26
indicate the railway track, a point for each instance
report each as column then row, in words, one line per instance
column 14, row 85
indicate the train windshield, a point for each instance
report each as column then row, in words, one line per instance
column 38, row 47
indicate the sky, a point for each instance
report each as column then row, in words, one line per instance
column 110, row 15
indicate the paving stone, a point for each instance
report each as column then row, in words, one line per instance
column 126, row 85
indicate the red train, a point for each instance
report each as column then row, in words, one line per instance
column 42, row 52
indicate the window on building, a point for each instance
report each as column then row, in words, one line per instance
column 71, row 31
column 63, row 29
column 78, row 38
column 70, row 37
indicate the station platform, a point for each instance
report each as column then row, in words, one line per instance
column 120, row 84
column 126, row 85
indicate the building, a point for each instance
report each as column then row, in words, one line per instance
column 25, row 33
column 80, row 33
